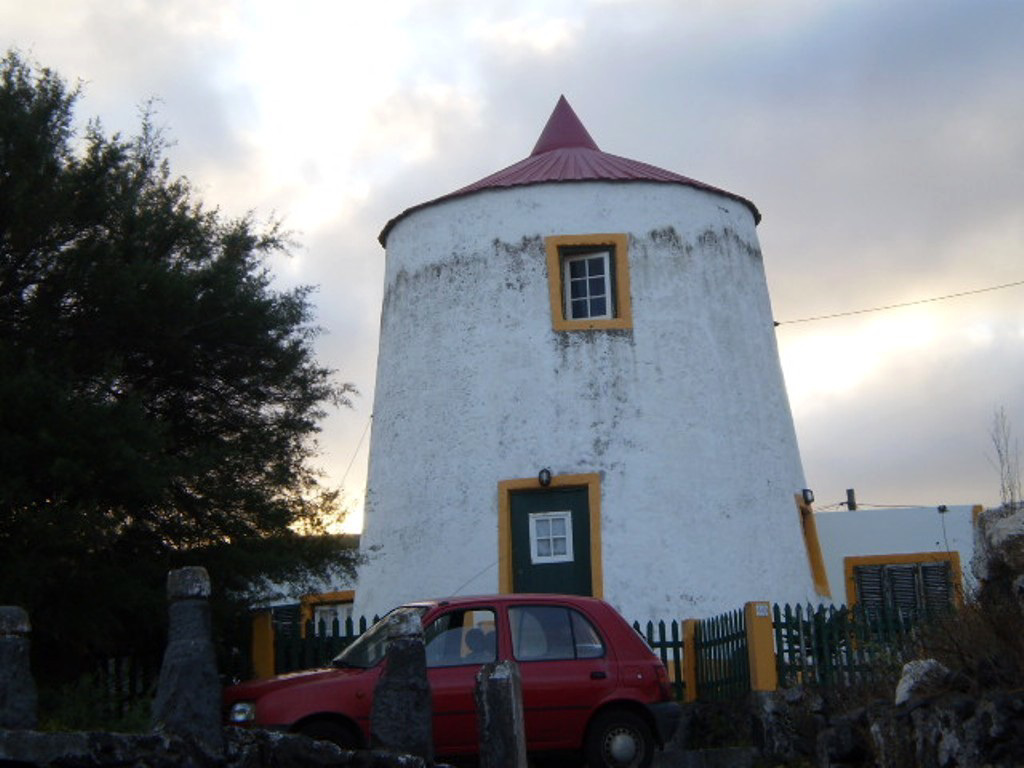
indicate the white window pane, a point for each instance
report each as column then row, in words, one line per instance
column 587, row 286
column 550, row 537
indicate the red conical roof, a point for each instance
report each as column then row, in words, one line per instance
column 562, row 131
column 565, row 152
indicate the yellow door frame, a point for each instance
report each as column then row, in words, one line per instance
column 591, row 481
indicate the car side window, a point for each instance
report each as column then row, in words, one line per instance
column 586, row 640
column 461, row 637
column 549, row 633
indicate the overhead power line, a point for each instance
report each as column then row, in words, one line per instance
column 904, row 304
column 941, row 508
column 356, row 451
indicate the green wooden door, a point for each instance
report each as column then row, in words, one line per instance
column 550, row 531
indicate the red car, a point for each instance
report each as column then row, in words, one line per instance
column 590, row 683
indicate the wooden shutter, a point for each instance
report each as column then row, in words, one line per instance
column 937, row 585
column 901, row 585
column 907, row 588
column 868, row 581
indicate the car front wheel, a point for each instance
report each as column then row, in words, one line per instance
column 327, row 730
column 619, row 739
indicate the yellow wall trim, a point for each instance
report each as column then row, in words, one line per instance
column 592, row 482
column 811, row 541
column 623, row 312
column 909, row 558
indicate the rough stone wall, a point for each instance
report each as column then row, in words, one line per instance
column 951, row 729
column 955, row 730
column 998, row 561
column 243, row 749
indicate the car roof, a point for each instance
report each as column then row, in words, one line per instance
column 512, row 599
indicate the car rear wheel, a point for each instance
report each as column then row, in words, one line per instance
column 343, row 735
column 619, row 739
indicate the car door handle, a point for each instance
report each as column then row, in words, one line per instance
column 598, row 675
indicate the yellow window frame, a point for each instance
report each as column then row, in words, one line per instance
column 622, row 303
column 910, row 558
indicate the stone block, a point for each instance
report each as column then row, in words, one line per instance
column 499, row 711
column 401, row 718
column 18, row 696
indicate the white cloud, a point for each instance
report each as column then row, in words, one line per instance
column 881, row 143
column 527, row 35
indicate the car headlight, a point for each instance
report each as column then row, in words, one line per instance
column 242, row 712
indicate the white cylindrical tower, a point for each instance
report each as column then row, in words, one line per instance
column 579, row 389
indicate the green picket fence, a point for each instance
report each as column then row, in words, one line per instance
column 317, row 645
column 831, row 646
column 668, row 644
column 122, row 683
column 723, row 664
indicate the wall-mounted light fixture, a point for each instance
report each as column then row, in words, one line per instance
column 544, row 477
column 808, row 495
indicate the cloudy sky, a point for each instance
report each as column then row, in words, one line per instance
column 883, row 143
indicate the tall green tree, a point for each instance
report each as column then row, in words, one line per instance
column 158, row 398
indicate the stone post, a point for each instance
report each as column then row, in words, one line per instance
column 401, row 718
column 188, row 696
column 18, row 697
column 499, row 714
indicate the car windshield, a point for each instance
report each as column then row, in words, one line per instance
column 371, row 646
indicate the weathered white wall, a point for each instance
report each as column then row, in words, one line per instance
column 892, row 531
column 685, row 415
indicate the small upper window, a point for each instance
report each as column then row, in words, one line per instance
column 587, row 278
column 589, row 282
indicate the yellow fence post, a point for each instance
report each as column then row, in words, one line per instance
column 764, row 675
column 263, row 644
column 690, row 659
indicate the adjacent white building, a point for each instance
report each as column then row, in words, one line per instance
column 579, row 389
column 904, row 557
